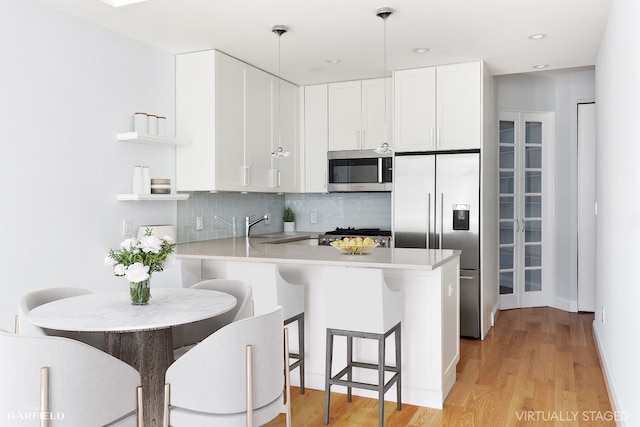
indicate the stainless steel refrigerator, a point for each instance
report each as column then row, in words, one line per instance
column 437, row 206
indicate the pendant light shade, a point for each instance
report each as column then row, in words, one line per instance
column 280, row 152
column 384, row 13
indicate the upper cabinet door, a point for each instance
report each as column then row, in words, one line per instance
column 459, row 106
column 345, row 116
column 415, row 109
column 376, row 113
column 316, row 137
column 438, row 108
column 287, row 177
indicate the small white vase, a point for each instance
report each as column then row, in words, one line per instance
column 289, row 227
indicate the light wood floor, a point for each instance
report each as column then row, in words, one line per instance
column 536, row 367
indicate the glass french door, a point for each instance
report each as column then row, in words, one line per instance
column 523, row 141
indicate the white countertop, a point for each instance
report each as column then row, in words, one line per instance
column 113, row 311
column 258, row 249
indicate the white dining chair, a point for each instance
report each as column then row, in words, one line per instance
column 272, row 289
column 187, row 336
column 65, row 382
column 234, row 378
column 34, row 299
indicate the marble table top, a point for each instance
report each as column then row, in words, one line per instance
column 113, row 311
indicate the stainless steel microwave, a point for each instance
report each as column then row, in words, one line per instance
column 359, row 170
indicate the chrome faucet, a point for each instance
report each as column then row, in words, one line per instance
column 248, row 223
column 231, row 223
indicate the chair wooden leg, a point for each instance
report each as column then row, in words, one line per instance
column 287, row 379
column 140, row 401
column 44, row 396
column 166, row 418
column 249, row 387
column 301, row 351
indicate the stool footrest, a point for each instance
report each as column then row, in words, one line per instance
column 367, row 386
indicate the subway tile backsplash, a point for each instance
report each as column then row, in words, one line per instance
column 363, row 210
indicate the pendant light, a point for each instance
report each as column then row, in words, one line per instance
column 384, row 13
column 280, row 152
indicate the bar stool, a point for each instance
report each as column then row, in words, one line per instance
column 271, row 289
column 359, row 304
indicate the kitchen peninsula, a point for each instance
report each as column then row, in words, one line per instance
column 427, row 279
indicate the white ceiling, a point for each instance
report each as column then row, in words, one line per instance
column 495, row 31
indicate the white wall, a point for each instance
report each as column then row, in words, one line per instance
column 618, row 196
column 66, row 89
column 557, row 91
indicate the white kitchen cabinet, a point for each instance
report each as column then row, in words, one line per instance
column 438, row 108
column 316, row 138
column 228, row 110
column 357, row 114
column 286, row 175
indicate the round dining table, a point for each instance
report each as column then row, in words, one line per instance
column 139, row 335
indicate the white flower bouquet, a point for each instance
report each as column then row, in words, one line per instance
column 138, row 259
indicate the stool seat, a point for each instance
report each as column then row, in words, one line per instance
column 359, row 304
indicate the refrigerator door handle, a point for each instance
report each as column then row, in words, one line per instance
column 441, row 220
column 428, row 220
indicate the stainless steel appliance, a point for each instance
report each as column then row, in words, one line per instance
column 359, row 170
column 437, row 206
column 382, row 237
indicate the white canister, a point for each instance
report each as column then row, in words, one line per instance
column 137, row 181
column 152, row 124
column 140, row 122
column 162, row 126
column 146, row 180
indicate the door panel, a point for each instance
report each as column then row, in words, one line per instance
column 469, row 303
column 524, row 271
column 414, row 184
column 458, row 195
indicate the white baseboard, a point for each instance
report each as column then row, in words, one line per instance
column 565, row 304
column 605, row 373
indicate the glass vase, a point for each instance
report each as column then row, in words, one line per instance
column 140, row 292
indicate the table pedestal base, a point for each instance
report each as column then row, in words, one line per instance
column 150, row 352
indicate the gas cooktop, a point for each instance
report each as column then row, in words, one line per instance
column 349, row 231
column 382, row 237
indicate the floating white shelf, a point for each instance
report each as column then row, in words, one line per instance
column 150, row 139
column 139, row 197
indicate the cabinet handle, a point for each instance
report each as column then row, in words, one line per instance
column 246, row 178
column 517, row 225
column 433, row 137
column 358, row 145
column 466, row 277
column 438, row 142
column 363, row 143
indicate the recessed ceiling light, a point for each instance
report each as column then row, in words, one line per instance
column 420, row 50
column 540, row 66
column 334, row 61
column 118, row 3
column 537, row 36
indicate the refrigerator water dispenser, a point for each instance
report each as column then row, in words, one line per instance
column 461, row 217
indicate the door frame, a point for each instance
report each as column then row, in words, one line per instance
column 586, row 237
